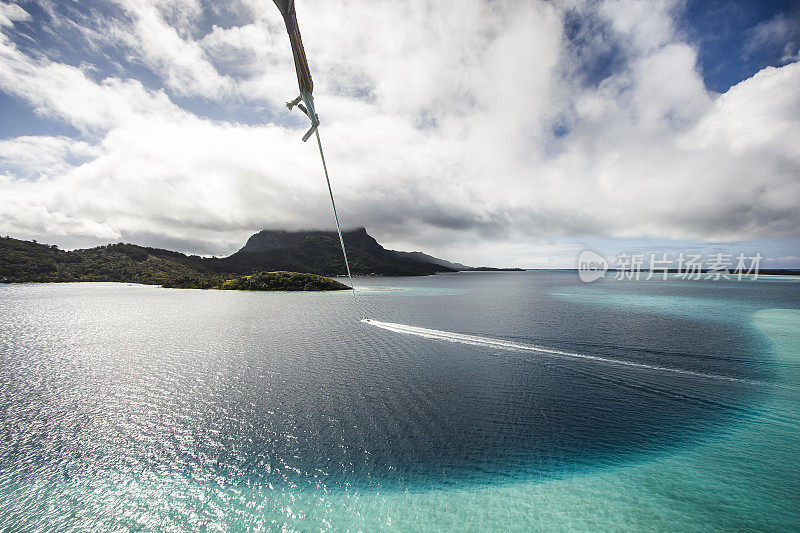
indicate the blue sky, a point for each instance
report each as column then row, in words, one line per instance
column 500, row 133
column 736, row 39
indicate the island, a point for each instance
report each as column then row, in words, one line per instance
column 262, row 281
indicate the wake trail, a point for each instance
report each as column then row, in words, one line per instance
column 489, row 342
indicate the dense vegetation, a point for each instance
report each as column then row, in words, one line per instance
column 282, row 281
column 27, row 261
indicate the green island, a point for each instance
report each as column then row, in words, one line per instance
column 263, row 281
column 29, row 261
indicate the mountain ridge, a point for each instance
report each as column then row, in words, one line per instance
column 319, row 252
column 308, row 252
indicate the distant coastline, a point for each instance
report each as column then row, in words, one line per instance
column 762, row 272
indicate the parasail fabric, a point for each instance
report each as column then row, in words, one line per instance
column 286, row 8
column 304, row 80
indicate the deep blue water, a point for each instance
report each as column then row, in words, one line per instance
column 108, row 386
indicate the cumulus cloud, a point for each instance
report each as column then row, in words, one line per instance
column 457, row 132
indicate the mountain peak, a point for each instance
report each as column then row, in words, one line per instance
column 271, row 239
column 319, row 252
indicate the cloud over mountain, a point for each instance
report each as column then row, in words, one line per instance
column 494, row 122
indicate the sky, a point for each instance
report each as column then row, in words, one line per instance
column 486, row 132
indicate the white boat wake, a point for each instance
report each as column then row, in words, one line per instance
column 489, row 342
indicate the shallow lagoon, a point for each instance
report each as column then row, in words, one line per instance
column 140, row 407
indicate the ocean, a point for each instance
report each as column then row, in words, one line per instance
column 477, row 400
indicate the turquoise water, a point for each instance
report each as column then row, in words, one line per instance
column 135, row 407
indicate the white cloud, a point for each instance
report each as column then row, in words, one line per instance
column 758, row 114
column 10, row 13
column 44, row 156
column 67, row 92
column 791, row 53
column 170, row 51
column 646, row 25
column 439, row 130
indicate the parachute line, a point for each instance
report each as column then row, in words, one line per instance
column 306, row 85
column 336, row 218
